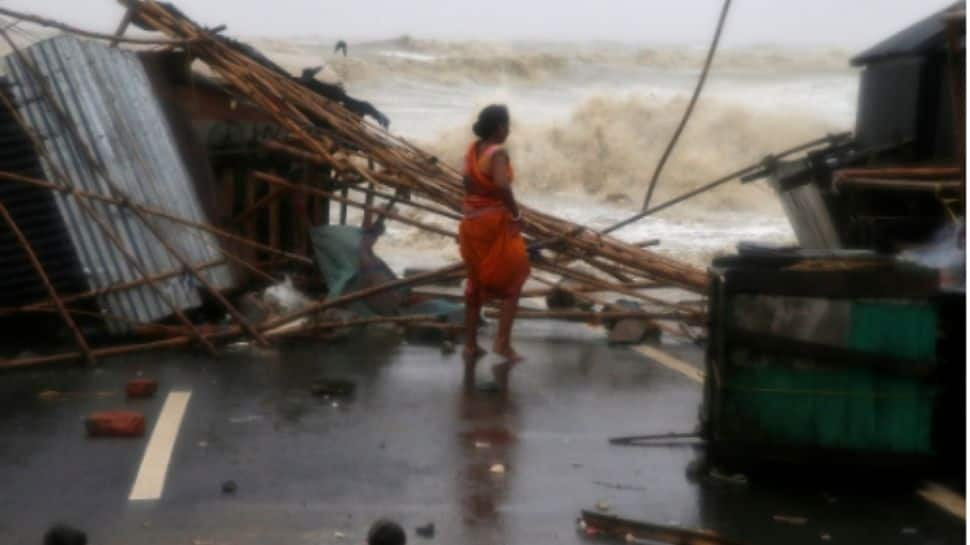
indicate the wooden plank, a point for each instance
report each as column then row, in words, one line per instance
column 944, row 498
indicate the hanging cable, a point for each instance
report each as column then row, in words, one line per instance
column 690, row 106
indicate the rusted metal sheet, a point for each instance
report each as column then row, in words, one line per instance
column 107, row 95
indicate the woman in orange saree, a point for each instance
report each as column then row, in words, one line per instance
column 489, row 236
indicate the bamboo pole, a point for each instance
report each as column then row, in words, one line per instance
column 113, row 38
column 40, row 305
column 10, row 176
column 134, row 262
column 235, row 330
column 609, row 286
column 300, row 154
column 257, row 206
column 122, row 27
column 367, row 292
column 355, row 322
column 587, row 315
column 51, row 291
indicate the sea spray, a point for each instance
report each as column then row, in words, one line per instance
column 606, row 149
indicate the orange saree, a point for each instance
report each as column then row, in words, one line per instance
column 490, row 241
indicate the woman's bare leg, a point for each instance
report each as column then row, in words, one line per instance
column 473, row 310
column 503, row 338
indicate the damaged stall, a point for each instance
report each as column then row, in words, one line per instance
column 851, row 348
column 830, row 358
column 900, row 178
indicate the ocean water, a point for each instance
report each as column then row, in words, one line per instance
column 590, row 121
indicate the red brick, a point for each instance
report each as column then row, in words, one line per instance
column 141, row 387
column 116, row 424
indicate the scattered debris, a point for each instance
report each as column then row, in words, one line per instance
column 633, row 331
column 141, row 388
column 736, row 478
column 62, row 534
column 229, row 487
column 789, row 519
column 116, row 424
column 54, row 395
column 248, row 419
column 427, row 531
column 49, row 395
column 599, row 524
column 329, row 387
column 284, row 298
column 618, row 486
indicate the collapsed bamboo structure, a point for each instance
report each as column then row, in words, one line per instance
column 357, row 156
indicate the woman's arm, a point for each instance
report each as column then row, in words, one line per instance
column 500, row 174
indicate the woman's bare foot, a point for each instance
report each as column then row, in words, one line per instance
column 473, row 352
column 507, row 353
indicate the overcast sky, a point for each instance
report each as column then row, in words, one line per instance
column 797, row 22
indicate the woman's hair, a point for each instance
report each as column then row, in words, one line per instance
column 490, row 120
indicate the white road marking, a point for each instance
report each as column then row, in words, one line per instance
column 154, row 463
column 671, row 362
column 944, row 498
column 665, row 359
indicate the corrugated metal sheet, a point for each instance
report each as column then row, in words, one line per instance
column 107, row 95
column 37, row 215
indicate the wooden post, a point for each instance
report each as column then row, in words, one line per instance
column 39, row 268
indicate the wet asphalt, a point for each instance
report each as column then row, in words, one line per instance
column 489, row 457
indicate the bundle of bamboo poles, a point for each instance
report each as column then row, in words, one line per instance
column 321, row 129
column 324, row 133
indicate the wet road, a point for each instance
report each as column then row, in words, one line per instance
column 421, row 441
